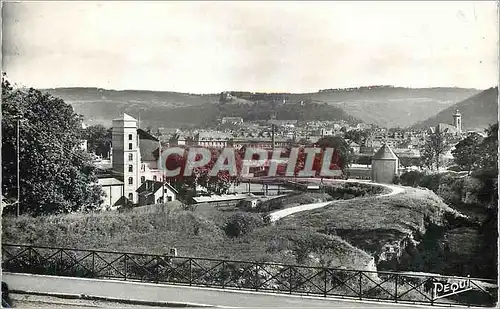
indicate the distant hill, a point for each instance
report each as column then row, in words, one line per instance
column 381, row 105
column 101, row 105
column 478, row 111
column 392, row 106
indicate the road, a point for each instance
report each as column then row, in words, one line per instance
column 46, row 302
column 277, row 215
column 158, row 293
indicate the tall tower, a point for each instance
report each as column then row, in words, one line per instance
column 126, row 154
column 457, row 121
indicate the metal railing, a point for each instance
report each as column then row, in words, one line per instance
column 256, row 276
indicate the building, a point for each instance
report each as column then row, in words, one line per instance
column 211, row 139
column 355, row 147
column 135, row 156
column 84, row 143
column 452, row 129
column 156, row 192
column 457, row 121
column 126, row 154
column 231, row 120
column 149, row 151
column 113, row 191
column 385, row 165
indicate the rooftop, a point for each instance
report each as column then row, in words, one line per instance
column 125, row 117
column 384, row 153
column 109, row 181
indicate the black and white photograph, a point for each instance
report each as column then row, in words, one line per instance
column 249, row 154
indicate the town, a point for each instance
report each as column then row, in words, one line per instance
column 253, row 154
column 137, row 150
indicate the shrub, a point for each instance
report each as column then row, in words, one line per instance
column 411, row 178
column 270, row 205
column 430, row 182
column 396, row 180
column 242, row 223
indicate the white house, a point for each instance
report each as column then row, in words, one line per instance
column 113, row 191
column 156, row 192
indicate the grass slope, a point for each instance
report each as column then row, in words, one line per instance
column 371, row 222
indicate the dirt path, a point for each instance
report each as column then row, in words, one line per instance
column 274, row 216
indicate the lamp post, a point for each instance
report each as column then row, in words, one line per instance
column 18, row 122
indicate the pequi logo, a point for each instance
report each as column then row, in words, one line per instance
column 442, row 289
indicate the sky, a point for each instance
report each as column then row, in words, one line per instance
column 208, row 47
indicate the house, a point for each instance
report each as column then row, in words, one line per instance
column 156, row 192
column 149, row 153
column 355, row 147
column 84, row 142
column 232, row 120
column 212, row 139
column 250, row 203
column 113, row 190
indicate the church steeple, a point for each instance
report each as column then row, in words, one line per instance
column 457, row 121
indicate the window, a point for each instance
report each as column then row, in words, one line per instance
column 154, row 178
column 131, row 196
column 143, row 179
column 169, row 198
column 129, row 146
column 130, row 181
column 130, row 168
column 130, row 137
column 131, row 157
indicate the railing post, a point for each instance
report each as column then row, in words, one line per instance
column 190, row 271
column 256, row 277
column 30, row 259
column 396, row 289
column 325, row 272
column 223, row 274
column 432, row 291
column 468, row 299
column 157, row 269
column 360, row 286
column 93, row 264
column 61, row 268
column 290, row 279
column 126, row 266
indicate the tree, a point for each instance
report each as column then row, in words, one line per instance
column 98, row 139
column 433, row 149
column 55, row 176
column 489, row 150
column 200, row 176
column 343, row 155
column 467, row 153
column 357, row 136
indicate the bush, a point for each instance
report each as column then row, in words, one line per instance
column 430, row 182
column 450, row 189
column 242, row 223
column 396, row 180
column 411, row 178
column 270, row 205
